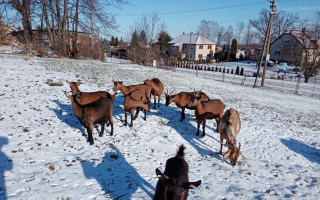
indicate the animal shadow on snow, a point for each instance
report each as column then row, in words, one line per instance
column 5, row 165
column 69, row 118
column 117, row 109
column 116, row 176
column 309, row 152
column 186, row 129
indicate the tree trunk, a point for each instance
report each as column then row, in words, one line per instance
column 52, row 22
column 47, row 22
column 24, row 10
column 59, row 19
column 64, row 20
column 76, row 21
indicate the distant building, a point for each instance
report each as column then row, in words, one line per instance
column 293, row 46
column 193, row 47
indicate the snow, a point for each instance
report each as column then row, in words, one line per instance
column 44, row 153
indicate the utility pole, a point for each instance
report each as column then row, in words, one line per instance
column 272, row 12
column 190, row 49
column 267, row 39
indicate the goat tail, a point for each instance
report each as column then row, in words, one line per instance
column 180, row 151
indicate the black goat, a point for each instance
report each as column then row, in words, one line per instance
column 174, row 182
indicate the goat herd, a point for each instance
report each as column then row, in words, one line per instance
column 97, row 108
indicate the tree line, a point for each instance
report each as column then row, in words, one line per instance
column 62, row 20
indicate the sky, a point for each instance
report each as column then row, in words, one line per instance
column 185, row 15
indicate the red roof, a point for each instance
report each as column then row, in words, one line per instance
column 303, row 38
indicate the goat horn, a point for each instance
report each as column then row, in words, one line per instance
column 239, row 146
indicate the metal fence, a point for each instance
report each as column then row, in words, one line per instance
column 283, row 82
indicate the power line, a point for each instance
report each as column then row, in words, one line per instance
column 195, row 10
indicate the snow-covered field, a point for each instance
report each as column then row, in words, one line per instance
column 44, row 153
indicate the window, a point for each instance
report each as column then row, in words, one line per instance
column 278, row 52
column 190, row 55
column 286, row 41
column 209, row 47
column 200, row 46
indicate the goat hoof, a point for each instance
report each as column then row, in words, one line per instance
column 130, row 125
column 203, row 135
column 100, row 135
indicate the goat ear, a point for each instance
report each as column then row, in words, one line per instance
column 78, row 82
column 192, row 185
column 69, row 96
column 120, row 82
column 67, row 82
column 242, row 155
column 227, row 154
column 161, row 176
column 240, row 151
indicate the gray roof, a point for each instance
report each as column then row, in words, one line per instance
column 195, row 39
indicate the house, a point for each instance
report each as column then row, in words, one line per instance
column 293, row 47
column 193, row 47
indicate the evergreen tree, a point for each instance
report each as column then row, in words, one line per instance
column 231, row 71
column 241, row 72
column 143, row 38
column 121, row 44
column 163, row 40
column 237, row 70
column 116, row 41
column 234, row 48
column 112, row 41
column 241, row 57
column 134, row 46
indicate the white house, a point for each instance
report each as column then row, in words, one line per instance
column 193, row 47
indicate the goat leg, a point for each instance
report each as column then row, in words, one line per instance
column 155, row 101
column 125, row 118
column 221, row 143
column 102, row 129
column 203, row 128
column 90, row 138
column 158, row 101
column 111, row 129
column 136, row 115
column 131, row 124
column 198, row 128
column 145, row 115
column 182, row 114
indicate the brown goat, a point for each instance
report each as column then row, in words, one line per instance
column 229, row 128
column 131, row 104
column 182, row 100
column 97, row 112
column 174, row 182
column 87, row 97
column 212, row 109
column 157, row 89
column 146, row 91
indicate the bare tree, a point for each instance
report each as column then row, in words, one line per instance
column 152, row 25
column 211, row 30
column 228, row 36
column 282, row 22
column 310, row 57
column 315, row 27
column 24, row 8
column 248, row 35
column 239, row 31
